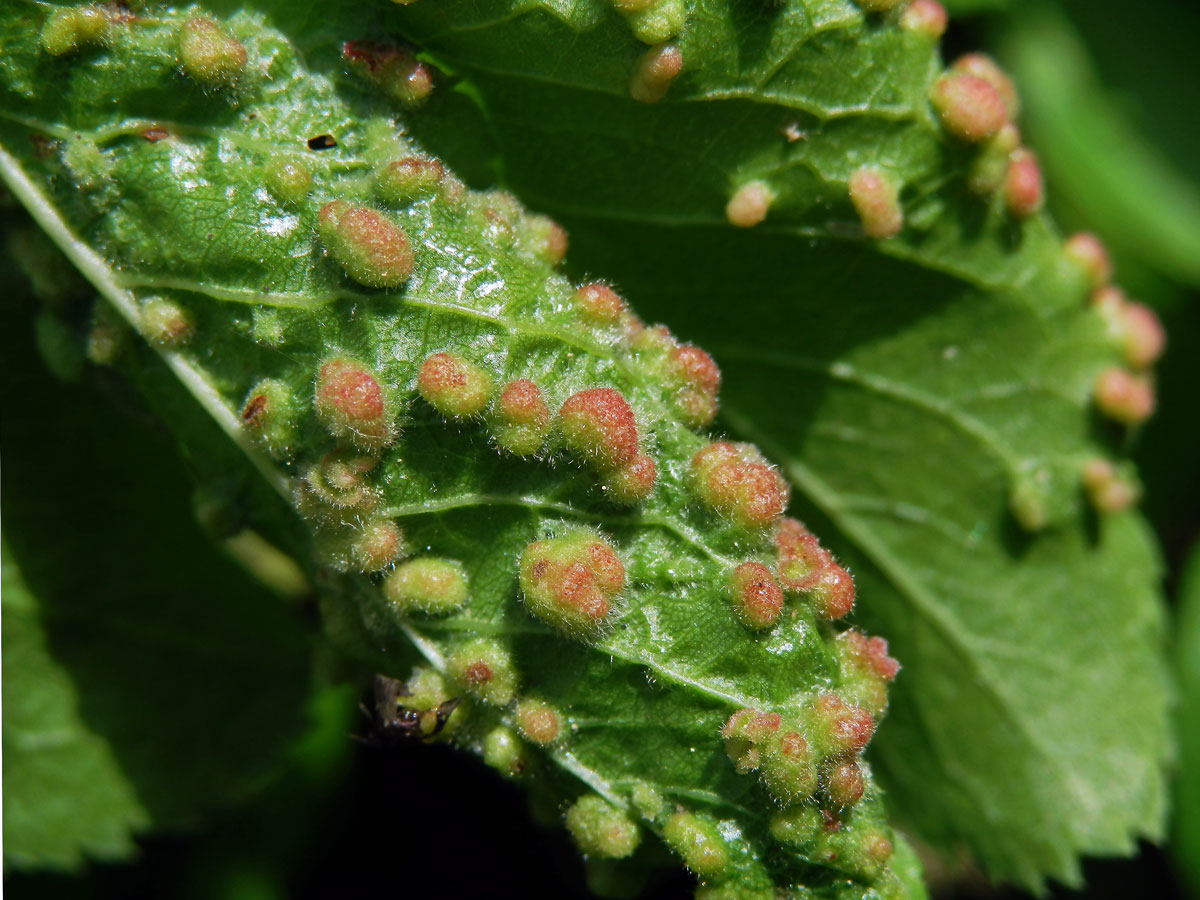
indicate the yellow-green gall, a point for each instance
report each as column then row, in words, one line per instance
column 339, row 481
column 371, row 248
column 538, row 721
column 108, row 336
column 571, row 581
column 289, row 180
column 600, row 829
column 698, row 841
column 428, row 584
column 69, row 30
column 797, row 825
column 653, row 21
column 647, row 801
column 485, row 669
column 166, row 323
column 989, row 169
column 269, row 415
column 522, row 418
column 426, row 694
column 453, row 386
column 379, row 543
column 504, row 751
column 208, row 54
column 408, row 179
column 787, row 767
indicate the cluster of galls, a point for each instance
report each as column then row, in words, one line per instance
column 809, row 760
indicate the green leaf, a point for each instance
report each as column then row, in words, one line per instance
column 1185, row 842
column 146, row 680
column 65, row 795
column 918, row 414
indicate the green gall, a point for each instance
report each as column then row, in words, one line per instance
column 749, row 204
column 865, row 853
column 485, row 669
column 926, row 18
column 990, row 168
column 969, row 107
column 521, row 419
column 647, row 801
column 745, row 733
column 1110, row 490
column 876, row 199
column 735, row 481
column 208, row 54
column 371, row 248
column 267, row 327
column 1023, row 193
column 843, row 783
column 866, row 670
column 108, row 336
column 378, row 544
column 787, row 769
column 631, row 483
column 599, row 304
column 982, row 66
column 350, row 401
column 598, row 425
column 453, row 386
column 538, row 722
column 1027, row 500
column 655, row 72
column 504, row 751
column 838, row 727
column 797, row 826
column 428, row 584
column 395, row 71
column 756, row 596
column 269, row 415
column 600, row 829
column 1088, row 252
column 425, row 693
column 69, row 30
column 401, row 181
column 288, row 180
column 166, row 323
column 653, row 21
column 90, row 166
column 1123, row 396
column 877, row 6
column 545, row 238
column 571, row 581
column 339, row 481
column 698, row 841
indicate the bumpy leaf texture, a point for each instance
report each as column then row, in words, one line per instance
column 511, row 479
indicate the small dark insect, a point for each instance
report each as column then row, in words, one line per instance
column 392, row 723
column 154, row 134
column 322, row 142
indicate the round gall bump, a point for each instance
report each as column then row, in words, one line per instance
column 545, row 238
column 843, row 784
column 453, row 386
column 969, row 107
column 1124, row 397
column 372, row 249
column 599, row 303
column 538, row 722
column 802, row 559
column 165, row 323
column 699, row 842
column 989, row 170
column 522, row 419
column 1089, row 253
column 69, row 30
column 749, row 205
column 983, row 66
column 1023, row 184
column 833, row 594
column 404, row 180
column 598, row 424
column 429, row 584
column 756, row 595
column 600, row 829
column 289, row 180
column 1142, row 336
column 209, row 55
column 926, row 18
column 655, row 72
column 866, row 670
column 571, row 581
column 788, row 770
column 397, row 72
column 504, row 751
column 485, row 669
column 340, row 481
column 845, row 729
column 349, row 400
column 631, row 483
column 745, row 733
column 734, row 481
column 797, row 825
column 377, row 546
column 1108, row 489
column 269, row 414
column 876, row 199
